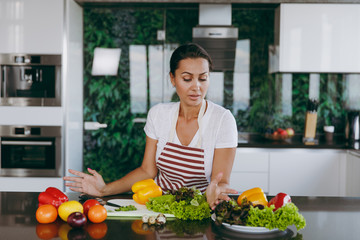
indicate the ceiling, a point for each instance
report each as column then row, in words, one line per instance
column 185, row 2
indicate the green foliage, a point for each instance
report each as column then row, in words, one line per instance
column 179, row 25
column 119, row 148
column 257, row 25
column 331, row 109
column 300, row 97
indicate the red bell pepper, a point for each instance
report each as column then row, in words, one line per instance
column 47, row 198
column 52, row 196
column 57, row 193
column 279, row 200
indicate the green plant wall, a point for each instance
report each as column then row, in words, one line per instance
column 119, row 148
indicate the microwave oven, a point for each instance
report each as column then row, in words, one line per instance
column 30, row 80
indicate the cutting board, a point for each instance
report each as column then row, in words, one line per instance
column 141, row 210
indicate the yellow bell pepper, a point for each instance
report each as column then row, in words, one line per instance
column 138, row 227
column 145, row 189
column 254, row 195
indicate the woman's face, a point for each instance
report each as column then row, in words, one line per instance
column 191, row 80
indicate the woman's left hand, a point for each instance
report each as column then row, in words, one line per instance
column 217, row 191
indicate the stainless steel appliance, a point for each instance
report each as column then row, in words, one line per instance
column 30, row 80
column 30, row 151
column 352, row 130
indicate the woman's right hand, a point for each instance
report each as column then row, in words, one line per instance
column 92, row 184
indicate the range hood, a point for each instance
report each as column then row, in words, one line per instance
column 216, row 35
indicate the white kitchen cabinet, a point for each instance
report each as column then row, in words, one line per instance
column 31, row 26
column 353, row 176
column 316, row 38
column 56, row 27
column 305, row 172
column 250, row 169
column 29, row 184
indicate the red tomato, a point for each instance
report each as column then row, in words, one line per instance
column 88, row 204
column 46, row 214
column 97, row 214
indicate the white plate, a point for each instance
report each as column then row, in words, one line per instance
column 246, row 229
column 140, row 211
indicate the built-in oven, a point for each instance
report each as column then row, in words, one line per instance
column 30, row 80
column 30, row 151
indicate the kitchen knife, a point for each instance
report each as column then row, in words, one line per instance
column 112, row 204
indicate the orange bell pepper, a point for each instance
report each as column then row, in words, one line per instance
column 254, row 195
column 145, row 189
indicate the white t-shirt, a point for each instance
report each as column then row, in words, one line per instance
column 218, row 130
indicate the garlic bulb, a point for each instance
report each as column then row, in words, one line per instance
column 145, row 219
column 161, row 219
column 152, row 220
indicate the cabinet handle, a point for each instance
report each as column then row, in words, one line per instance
column 94, row 125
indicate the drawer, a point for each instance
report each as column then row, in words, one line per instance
column 251, row 161
column 241, row 181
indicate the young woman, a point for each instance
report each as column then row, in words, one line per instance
column 188, row 143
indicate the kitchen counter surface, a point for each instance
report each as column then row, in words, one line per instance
column 327, row 218
column 256, row 140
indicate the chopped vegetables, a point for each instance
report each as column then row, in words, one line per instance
column 126, row 208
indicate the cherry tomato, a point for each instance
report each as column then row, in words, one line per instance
column 46, row 214
column 47, row 231
column 97, row 230
column 88, row 204
column 97, row 214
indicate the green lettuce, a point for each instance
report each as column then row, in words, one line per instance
column 281, row 218
column 194, row 208
column 161, row 204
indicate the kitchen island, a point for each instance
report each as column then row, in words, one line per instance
column 326, row 217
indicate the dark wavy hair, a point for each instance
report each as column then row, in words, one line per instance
column 189, row 50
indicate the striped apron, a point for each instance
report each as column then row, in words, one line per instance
column 182, row 166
